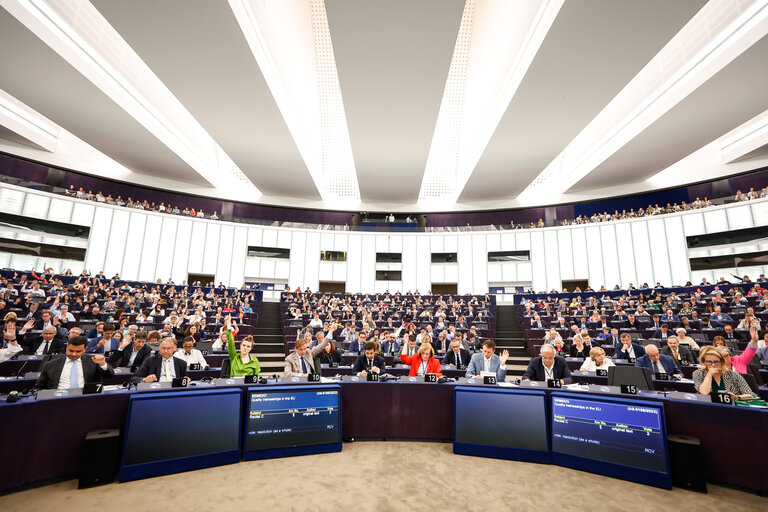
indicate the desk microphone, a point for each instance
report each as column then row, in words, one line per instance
column 18, row 374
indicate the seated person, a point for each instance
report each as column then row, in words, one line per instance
column 627, row 349
column 597, row 361
column 410, row 348
column 243, row 363
column 686, row 341
column 678, row 352
column 731, row 338
column 297, row 364
column 11, row 350
column 547, row 366
column 658, row 363
column 559, row 347
column 713, row 376
column 422, row 363
column 162, row 367
column 73, row 370
column 579, row 349
column 107, row 341
column 369, row 361
column 358, row 344
column 139, row 351
column 189, row 354
column 390, row 345
column 46, row 343
column 662, row 333
column 457, row 356
column 487, row 361
column 319, row 337
column 739, row 362
column 330, row 355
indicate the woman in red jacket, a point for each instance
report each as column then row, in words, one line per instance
column 421, row 362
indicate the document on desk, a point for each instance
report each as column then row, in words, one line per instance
column 506, row 384
column 327, row 380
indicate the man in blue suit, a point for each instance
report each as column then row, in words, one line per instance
column 488, row 361
column 390, row 344
column 658, row 363
column 719, row 316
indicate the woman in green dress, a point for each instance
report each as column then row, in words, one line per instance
column 242, row 363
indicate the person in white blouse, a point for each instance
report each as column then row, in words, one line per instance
column 12, row 349
column 190, row 354
column 597, row 361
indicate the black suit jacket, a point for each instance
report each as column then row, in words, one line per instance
column 32, row 343
column 450, row 357
column 684, row 353
column 50, row 373
column 361, row 363
column 120, row 358
column 153, row 365
column 535, row 370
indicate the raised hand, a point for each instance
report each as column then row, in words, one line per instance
column 99, row 359
column 504, row 356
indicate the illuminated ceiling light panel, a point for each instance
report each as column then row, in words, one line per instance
column 291, row 43
column 30, row 124
column 714, row 37
column 78, row 32
column 496, row 44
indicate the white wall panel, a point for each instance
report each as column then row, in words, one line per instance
column 13, row 200
column 508, row 241
column 509, row 272
column 409, row 264
column 354, row 259
column 451, row 273
column 224, row 261
column 150, row 248
column 282, row 269
column 494, row 273
column 694, row 224
column 641, row 244
column 340, row 272
column 269, row 238
column 626, row 253
column 396, row 244
column 436, row 243
column 211, row 247
column 423, row 261
column 256, row 237
column 312, row 261
column 579, row 246
column 677, row 250
column 493, row 242
column 716, row 220
column 5, row 258
column 594, row 257
column 524, row 272
column 552, row 260
column 537, row 255
column 94, row 256
column 197, row 248
column 565, row 251
column 135, row 248
column 181, row 251
column 522, row 240
column 60, row 210
column 479, row 264
column 117, row 250
column 610, row 255
column 36, row 206
column 740, row 217
column 760, row 212
column 326, row 271
column 327, row 241
column 368, row 263
column 659, row 256
column 382, row 243
column 26, row 262
column 82, row 214
column 167, row 247
column 465, row 260
column 268, row 270
column 284, row 239
column 253, row 268
column 450, row 243
column 340, row 242
column 437, row 273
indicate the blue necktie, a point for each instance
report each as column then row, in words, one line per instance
column 73, row 381
column 303, row 366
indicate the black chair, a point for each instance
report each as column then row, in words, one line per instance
column 226, row 366
column 751, row 381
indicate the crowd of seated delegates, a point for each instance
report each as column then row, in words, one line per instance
column 123, row 324
column 662, row 330
column 98, row 197
column 410, row 328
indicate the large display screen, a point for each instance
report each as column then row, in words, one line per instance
column 610, row 436
column 292, row 420
column 501, row 423
column 170, row 432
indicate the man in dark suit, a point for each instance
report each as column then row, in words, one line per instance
column 390, row 345
column 658, row 363
column 663, row 333
column 369, row 361
column 547, row 366
column 47, row 343
column 132, row 353
column 457, row 356
column 732, row 338
column 680, row 353
column 73, row 370
column 628, row 350
column 162, row 367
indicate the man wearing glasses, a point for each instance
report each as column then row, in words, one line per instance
column 548, row 366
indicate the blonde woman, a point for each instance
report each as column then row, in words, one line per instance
column 597, row 361
column 713, row 376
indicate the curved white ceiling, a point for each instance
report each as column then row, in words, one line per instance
column 369, row 106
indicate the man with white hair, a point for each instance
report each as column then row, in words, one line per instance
column 659, row 364
column 547, row 366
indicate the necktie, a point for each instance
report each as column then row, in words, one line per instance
column 676, row 355
column 370, row 363
column 303, row 365
column 47, row 346
column 167, row 371
column 73, row 380
column 458, row 359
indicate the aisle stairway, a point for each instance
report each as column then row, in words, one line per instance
column 509, row 335
column 268, row 337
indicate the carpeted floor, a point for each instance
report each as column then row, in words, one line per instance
column 379, row 476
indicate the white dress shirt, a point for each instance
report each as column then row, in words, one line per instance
column 7, row 353
column 66, row 372
column 195, row 356
column 171, row 369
